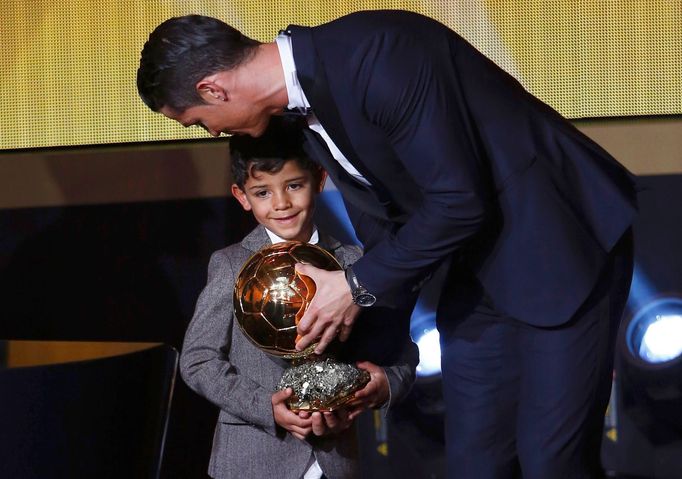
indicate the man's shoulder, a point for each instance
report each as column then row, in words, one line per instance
column 380, row 22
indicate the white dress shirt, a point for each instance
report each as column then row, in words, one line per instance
column 314, row 237
column 298, row 100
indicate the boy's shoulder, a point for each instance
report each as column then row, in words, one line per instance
column 235, row 255
column 345, row 254
column 254, row 241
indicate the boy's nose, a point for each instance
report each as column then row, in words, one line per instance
column 281, row 201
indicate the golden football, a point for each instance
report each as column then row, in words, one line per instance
column 270, row 298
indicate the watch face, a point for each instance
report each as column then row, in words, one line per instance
column 365, row 299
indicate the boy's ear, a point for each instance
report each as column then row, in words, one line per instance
column 323, row 180
column 241, row 197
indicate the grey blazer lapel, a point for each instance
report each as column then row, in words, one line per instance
column 256, row 240
column 329, row 243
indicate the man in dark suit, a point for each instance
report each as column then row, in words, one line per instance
column 441, row 157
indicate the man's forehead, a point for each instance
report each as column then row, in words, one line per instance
column 168, row 112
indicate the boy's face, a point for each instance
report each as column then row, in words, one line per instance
column 283, row 202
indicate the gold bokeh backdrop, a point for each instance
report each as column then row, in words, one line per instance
column 67, row 71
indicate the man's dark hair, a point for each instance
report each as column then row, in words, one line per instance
column 182, row 51
column 282, row 141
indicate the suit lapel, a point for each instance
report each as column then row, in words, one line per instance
column 313, row 79
column 312, row 76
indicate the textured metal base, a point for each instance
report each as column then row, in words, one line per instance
column 322, row 385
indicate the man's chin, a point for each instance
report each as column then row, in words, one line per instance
column 258, row 130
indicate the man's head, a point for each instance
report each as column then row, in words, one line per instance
column 200, row 71
column 181, row 52
column 275, row 179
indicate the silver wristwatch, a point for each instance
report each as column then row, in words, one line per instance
column 361, row 296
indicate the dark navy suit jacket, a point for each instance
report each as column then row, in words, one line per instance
column 462, row 161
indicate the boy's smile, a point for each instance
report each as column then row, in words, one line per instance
column 283, row 202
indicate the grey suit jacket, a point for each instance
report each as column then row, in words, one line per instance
column 222, row 365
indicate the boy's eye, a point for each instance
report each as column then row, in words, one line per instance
column 295, row 186
column 261, row 193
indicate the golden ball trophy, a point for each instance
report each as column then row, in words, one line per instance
column 270, row 298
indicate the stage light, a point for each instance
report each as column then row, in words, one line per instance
column 662, row 339
column 649, row 363
column 655, row 332
column 425, row 336
column 429, row 353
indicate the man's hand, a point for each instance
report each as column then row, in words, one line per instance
column 331, row 311
column 298, row 426
column 374, row 394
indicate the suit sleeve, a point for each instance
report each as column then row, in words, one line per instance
column 205, row 359
column 401, row 375
column 411, row 91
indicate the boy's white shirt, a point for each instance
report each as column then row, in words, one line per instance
column 313, row 471
column 314, row 237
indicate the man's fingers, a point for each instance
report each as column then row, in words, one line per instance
column 304, row 341
column 310, row 337
column 348, row 321
column 330, row 309
column 328, row 336
column 308, row 319
column 344, row 334
column 306, row 270
column 318, row 327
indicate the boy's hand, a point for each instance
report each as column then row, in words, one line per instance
column 298, row 426
column 330, row 313
column 326, row 423
column 374, row 394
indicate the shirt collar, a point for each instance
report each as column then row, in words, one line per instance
column 295, row 94
column 314, row 238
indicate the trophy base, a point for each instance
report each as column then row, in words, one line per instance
column 322, row 385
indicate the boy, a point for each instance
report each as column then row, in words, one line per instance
column 256, row 435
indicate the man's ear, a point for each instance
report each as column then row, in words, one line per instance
column 241, row 197
column 211, row 91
